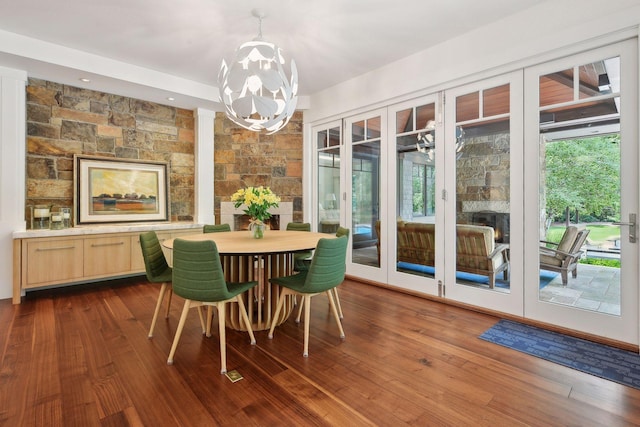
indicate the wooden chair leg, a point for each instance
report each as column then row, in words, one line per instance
column 300, row 310
column 335, row 314
column 281, row 298
column 307, row 317
column 334, row 294
column 176, row 338
column 203, row 323
column 163, row 289
column 337, row 300
column 245, row 318
column 209, row 320
column 223, row 338
column 170, row 291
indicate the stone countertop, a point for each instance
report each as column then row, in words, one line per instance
column 104, row 229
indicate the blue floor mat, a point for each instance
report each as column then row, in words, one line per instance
column 600, row 360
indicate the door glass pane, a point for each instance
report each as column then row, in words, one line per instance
column 415, row 228
column 580, row 196
column 373, row 128
column 365, row 192
column 596, row 78
column 556, row 87
column 404, row 121
column 322, row 139
column 329, row 182
column 468, row 107
column 495, row 101
column 483, row 207
column 357, row 131
column 365, row 199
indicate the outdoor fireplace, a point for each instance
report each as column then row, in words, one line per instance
column 499, row 221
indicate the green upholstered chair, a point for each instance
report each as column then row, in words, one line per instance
column 342, row 231
column 326, row 271
column 216, row 228
column 199, row 279
column 300, row 259
column 158, row 271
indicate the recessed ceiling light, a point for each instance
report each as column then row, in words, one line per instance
column 84, row 79
column 170, row 98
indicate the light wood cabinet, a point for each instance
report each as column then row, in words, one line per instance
column 43, row 259
column 52, row 261
column 107, row 255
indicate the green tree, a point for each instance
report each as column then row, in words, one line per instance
column 584, row 174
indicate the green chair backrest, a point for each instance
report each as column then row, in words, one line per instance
column 197, row 271
column 216, row 228
column 328, row 265
column 298, row 226
column 155, row 264
column 342, row 232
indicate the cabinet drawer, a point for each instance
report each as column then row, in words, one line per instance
column 107, row 256
column 137, row 261
column 53, row 261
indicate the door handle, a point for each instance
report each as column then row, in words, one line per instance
column 633, row 237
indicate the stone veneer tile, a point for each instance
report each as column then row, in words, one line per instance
column 79, row 116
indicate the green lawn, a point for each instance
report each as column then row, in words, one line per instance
column 600, row 234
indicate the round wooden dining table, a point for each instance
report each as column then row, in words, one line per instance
column 245, row 258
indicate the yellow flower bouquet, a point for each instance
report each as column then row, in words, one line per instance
column 258, row 201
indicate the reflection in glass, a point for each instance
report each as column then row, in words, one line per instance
column 329, row 181
column 416, row 146
column 580, row 197
column 365, row 199
column 365, row 191
column 483, row 206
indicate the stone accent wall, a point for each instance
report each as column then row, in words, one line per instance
column 246, row 158
column 65, row 120
column 483, row 175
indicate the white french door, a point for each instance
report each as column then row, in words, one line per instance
column 582, row 127
column 416, row 171
column 483, row 192
column 364, row 188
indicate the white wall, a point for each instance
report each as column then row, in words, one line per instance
column 12, row 169
column 532, row 36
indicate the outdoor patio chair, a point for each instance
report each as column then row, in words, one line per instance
column 565, row 255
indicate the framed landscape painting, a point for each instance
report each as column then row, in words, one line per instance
column 109, row 190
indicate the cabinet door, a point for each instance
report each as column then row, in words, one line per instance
column 104, row 256
column 53, row 261
column 137, row 261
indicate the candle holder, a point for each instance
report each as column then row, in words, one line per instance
column 41, row 217
column 66, row 217
column 55, row 222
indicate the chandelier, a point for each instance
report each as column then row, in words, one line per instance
column 427, row 145
column 255, row 91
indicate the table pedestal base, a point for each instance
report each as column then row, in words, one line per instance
column 261, row 301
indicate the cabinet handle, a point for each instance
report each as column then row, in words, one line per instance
column 54, row 249
column 94, row 245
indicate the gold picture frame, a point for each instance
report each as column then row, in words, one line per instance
column 110, row 190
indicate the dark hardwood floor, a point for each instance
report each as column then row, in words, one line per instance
column 80, row 357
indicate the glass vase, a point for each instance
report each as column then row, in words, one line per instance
column 256, row 229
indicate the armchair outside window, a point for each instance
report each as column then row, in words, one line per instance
column 564, row 256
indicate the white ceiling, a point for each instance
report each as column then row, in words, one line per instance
column 185, row 40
